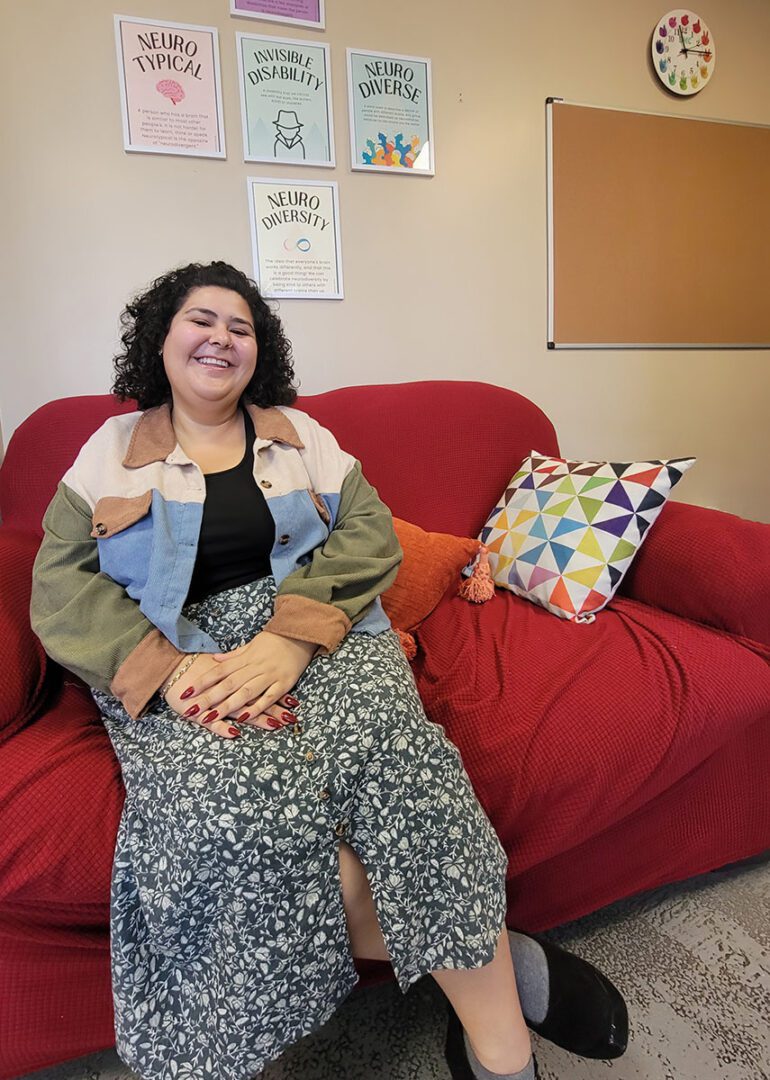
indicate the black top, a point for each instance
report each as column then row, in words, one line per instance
column 237, row 532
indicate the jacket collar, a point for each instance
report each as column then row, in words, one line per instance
column 154, row 439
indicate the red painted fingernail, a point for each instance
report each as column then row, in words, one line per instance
column 188, row 693
column 233, row 731
column 273, row 723
column 207, row 719
column 211, row 716
column 291, row 701
column 193, row 710
column 243, row 716
column 289, row 717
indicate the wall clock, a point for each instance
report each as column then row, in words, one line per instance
column 683, row 53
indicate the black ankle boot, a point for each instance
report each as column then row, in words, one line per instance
column 456, row 1057
column 586, row 1013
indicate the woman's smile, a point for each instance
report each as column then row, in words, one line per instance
column 212, row 361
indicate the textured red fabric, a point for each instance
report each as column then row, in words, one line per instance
column 60, row 801
column 567, row 729
column 716, row 815
column 707, row 565
column 22, row 658
column 55, row 993
column 439, row 453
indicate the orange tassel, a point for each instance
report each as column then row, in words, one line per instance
column 479, row 587
column 408, row 644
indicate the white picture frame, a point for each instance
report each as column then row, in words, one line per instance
column 288, row 221
column 259, row 109
column 390, row 105
column 171, row 58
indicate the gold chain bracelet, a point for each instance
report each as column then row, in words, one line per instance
column 179, row 673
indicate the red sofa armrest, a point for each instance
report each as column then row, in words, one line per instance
column 708, row 566
column 23, row 661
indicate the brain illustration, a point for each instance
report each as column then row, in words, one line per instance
column 171, row 89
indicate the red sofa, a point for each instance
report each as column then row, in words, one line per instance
column 611, row 758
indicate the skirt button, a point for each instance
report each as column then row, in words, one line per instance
column 324, row 794
column 310, row 756
column 340, row 828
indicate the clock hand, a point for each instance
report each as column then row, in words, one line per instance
column 681, row 38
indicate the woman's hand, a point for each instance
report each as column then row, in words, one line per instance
column 249, row 684
column 205, row 668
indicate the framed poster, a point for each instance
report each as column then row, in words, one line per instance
column 391, row 113
column 286, row 101
column 295, row 235
column 170, row 88
column 297, row 12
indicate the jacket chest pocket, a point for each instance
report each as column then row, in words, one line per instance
column 122, row 529
column 113, row 514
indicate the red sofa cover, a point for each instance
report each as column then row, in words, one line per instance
column 611, row 758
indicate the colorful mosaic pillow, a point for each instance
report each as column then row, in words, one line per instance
column 565, row 532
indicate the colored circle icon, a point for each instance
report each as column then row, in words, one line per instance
column 303, row 245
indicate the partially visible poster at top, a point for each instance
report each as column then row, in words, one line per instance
column 294, row 12
column 170, row 88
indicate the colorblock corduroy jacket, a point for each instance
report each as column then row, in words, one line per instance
column 121, row 536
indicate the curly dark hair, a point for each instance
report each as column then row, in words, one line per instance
column 139, row 371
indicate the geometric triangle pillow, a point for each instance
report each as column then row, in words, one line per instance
column 564, row 532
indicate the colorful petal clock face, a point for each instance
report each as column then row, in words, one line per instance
column 683, row 52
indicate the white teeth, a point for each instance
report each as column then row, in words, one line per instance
column 211, row 361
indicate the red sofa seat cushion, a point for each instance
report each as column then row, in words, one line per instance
column 566, row 729
column 61, row 796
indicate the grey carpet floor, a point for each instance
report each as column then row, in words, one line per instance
column 693, row 961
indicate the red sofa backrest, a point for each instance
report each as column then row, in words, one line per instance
column 439, row 453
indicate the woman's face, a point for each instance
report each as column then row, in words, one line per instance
column 210, row 350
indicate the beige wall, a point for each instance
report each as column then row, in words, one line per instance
column 444, row 277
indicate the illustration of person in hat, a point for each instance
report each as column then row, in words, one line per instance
column 288, row 144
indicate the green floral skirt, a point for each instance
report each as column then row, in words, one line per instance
column 229, row 939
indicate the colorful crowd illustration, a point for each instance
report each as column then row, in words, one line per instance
column 391, row 153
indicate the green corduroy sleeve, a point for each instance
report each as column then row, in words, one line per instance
column 320, row 601
column 86, row 621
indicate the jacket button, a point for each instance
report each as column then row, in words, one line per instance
column 284, row 539
column 100, row 528
column 265, row 483
column 310, row 756
column 341, row 828
column 324, row 794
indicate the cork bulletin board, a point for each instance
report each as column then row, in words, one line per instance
column 658, row 230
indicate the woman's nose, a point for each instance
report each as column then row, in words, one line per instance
column 220, row 335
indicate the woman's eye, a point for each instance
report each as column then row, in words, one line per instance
column 200, row 322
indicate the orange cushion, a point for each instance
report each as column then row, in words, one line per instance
column 432, row 561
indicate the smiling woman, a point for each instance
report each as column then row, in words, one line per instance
column 212, row 567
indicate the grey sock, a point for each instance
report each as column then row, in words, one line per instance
column 478, row 1070
column 531, row 968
